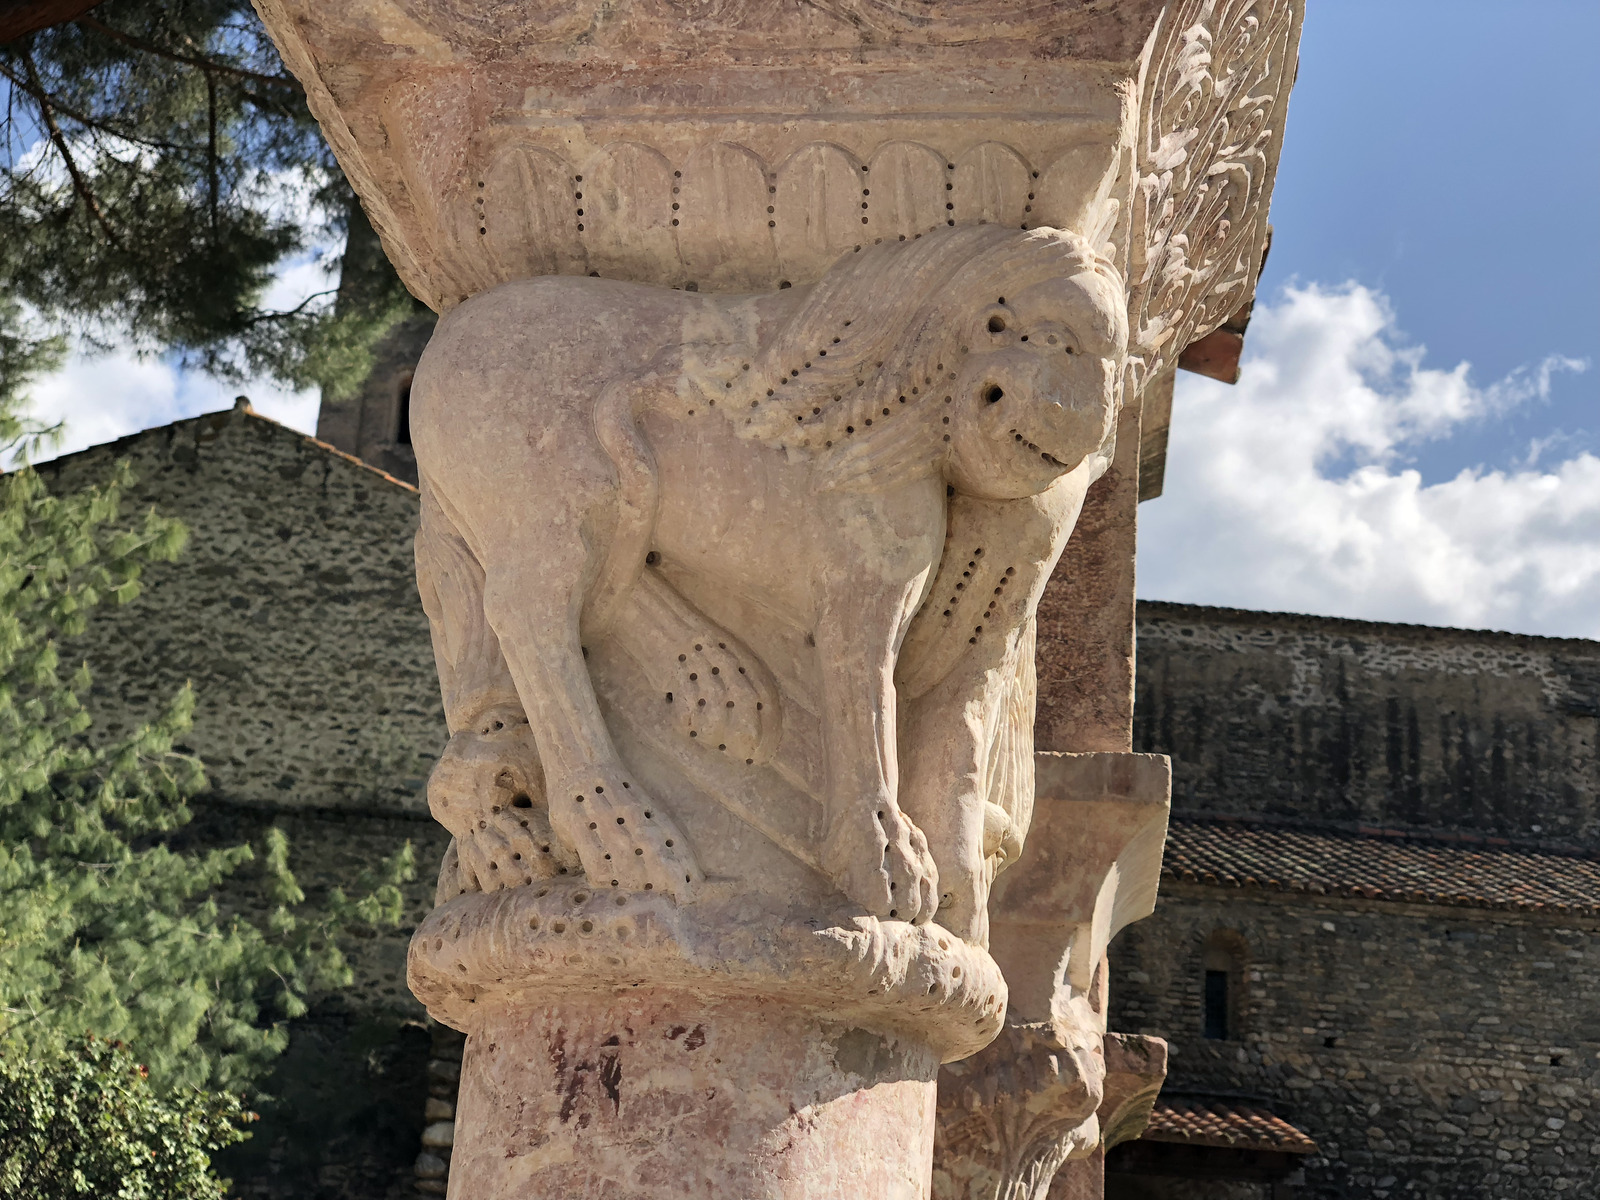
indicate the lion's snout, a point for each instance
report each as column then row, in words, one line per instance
column 1045, row 412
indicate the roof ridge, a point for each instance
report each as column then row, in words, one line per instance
column 1260, row 616
column 1447, row 839
column 1221, row 1121
column 1309, row 862
column 240, row 405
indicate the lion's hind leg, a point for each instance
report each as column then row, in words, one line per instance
column 713, row 689
column 533, row 598
column 487, row 788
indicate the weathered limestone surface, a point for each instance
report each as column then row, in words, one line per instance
column 779, row 349
column 1013, row 1115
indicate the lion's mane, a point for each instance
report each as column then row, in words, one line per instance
column 881, row 332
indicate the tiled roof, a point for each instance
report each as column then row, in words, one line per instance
column 1379, row 867
column 1208, row 1121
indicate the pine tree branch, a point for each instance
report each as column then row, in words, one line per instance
column 211, row 146
column 79, row 183
column 291, row 312
column 205, row 64
column 18, row 18
column 87, row 121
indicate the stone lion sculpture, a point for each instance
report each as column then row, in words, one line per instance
column 790, row 562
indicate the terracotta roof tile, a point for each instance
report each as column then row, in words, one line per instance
column 1380, row 866
column 1209, row 1121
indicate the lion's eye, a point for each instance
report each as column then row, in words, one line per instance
column 997, row 324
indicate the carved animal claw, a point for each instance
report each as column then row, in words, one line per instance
column 623, row 838
column 485, row 789
column 881, row 861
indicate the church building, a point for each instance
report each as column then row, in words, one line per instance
column 1374, row 958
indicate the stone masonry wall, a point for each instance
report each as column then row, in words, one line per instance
column 1465, row 1053
column 1433, row 1053
column 294, row 613
column 1354, row 722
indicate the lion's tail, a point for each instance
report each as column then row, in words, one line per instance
column 616, row 425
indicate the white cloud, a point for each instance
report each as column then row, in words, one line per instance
column 102, row 397
column 1289, row 489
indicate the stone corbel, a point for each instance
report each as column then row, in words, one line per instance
column 1011, row 1116
column 1136, row 1067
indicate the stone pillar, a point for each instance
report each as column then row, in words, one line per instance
column 778, row 350
column 1013, row 1115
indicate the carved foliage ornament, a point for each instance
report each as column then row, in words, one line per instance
column 1214, row 96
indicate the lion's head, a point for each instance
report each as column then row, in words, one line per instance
column 998, row 351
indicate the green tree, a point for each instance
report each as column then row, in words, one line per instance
column 157, row 165
column 88, row 1122
column 104, row 925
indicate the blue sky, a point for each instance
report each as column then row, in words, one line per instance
column 1447, row 155
column 1416, row 436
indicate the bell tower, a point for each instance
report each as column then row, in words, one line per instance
column 373, row 423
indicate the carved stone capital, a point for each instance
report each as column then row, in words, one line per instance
column 779, row 346
column 1012, row 1115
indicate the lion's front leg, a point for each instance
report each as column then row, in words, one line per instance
column 870, row 848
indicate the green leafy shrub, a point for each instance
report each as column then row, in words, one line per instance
column 88, row 1122
column 104, row 924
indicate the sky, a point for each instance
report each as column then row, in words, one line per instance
column 1416, row 433
column 1416, row 430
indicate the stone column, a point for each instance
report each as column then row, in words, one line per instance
column 1013, row 1115
column 779, row 347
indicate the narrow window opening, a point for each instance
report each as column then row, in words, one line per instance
column 402, row 426
column 1222, row 994
column 1216, row 1001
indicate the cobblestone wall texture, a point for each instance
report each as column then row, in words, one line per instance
column 293, row 611
column 1433, row 1053
column 1350, row 722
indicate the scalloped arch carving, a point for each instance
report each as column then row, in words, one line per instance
column 723, row 218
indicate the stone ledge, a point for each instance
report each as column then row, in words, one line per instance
column 539, row 941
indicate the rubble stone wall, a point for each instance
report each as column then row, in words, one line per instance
column 1465, row 1055
column 293, row 612
column 1355, row 722
column 1433, row 1053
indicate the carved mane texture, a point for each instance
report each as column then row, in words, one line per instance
column 882, row 333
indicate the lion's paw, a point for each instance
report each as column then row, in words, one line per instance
column 881, row 861
column 622, row 836
column 486, row 789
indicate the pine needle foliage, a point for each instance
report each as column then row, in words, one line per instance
column 87, row 1121
column 104, row 926
column 157, row 166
